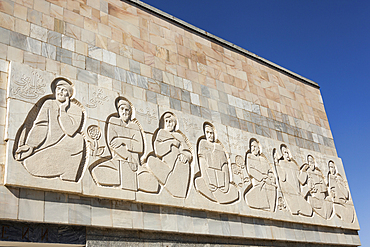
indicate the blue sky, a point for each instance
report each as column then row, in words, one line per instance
column 325, row 41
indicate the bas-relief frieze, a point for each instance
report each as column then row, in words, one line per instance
column 132, row 149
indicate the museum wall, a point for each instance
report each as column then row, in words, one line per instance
column 115, row 114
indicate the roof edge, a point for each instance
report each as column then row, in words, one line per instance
column 221, row 41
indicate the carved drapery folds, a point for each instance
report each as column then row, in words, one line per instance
column 123, row 156
column 49, row 143
column 213, row 174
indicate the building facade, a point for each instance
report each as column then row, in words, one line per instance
column 122, row 125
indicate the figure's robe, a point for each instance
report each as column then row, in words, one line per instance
column 214, row 182
column 121, row 168
column 167, row 166
column 263, row 193
column 315, row 190
column 57, row 144
column 289, row 184
column 343, row 207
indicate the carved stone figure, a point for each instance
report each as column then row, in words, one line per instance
column 262, row 195
column 172, row 157
column 338, row 189
column 126, row 145
column 288, row 173
column 314, row 189
column 241, row 177
column 213, row 180
column 54, row 146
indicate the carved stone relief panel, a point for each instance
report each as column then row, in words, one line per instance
column 262, row 194
column 170, row 162
column 28, row 84
column 288, row 172
column 109, row 146
column 213, row 176
column 314, row 189
column 339, row 193
column 53, row 129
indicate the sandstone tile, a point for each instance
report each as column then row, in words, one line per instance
column 22, row 27
column 34, row 16
column 96, row 53
column 54, row 38
column 68, row 71
column 31, row 205
column 68, row 43
column 78, row 60
column 5, row 36
column 157, row 74
column 109, row 57
column 134, row 66
column 53, row 66
column 34, row 60
column 151, row 97
column 7, row 21
column 82, row 48
column 48, row 51
column 87, row 76
column 3, row 51
column 142, row 82
column 56, row 11
column 33, row 46
column 39, row 33
column 56, row 208
column 88, row 37
column 73, row 18
column 7, row 7
column 64, row 56
column 119, row 74
column 107, row 70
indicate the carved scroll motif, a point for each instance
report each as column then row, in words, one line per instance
column 29, row 87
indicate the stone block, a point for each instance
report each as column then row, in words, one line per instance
column 54, row 38
column 79, row 210
column 56, row 208
column 9, row 200
column 31, row 205
column 101, row 213
column 5, row 36
column 49, row 51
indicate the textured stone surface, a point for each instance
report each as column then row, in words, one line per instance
column 161, row 170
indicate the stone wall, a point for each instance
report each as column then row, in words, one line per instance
column 115, row 114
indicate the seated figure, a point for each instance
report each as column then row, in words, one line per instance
column 262, row 195
column 288, row 173
column 172, row 157
column 314, row 189
column 338, row 189
column 126, row 144
column 54, row 146
column 214, row 179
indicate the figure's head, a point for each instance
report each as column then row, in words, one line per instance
column 311, row 162
column 209, row 132
column 286, row 152
column 254, row 146
column 169, row 121
column 124, row 109
column 332, row 169
column 63, row 89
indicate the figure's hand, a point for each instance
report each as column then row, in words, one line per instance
column 115, row 143
column 65, row 104
column 23, row 152
column 183, row 158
